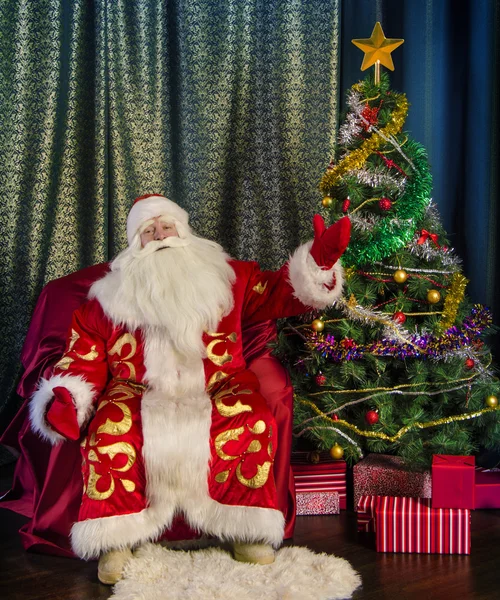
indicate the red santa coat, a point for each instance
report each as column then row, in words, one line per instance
column 166, row 437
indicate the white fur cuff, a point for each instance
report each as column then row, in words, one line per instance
column 82, row 393
column 309, row 281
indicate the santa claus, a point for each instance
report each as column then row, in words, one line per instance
column 154, row 381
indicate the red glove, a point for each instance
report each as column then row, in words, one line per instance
column 329, row 244
column 62, row 414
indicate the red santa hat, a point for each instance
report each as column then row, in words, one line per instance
column 150, row 206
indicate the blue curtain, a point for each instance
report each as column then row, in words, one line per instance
column 447, row 67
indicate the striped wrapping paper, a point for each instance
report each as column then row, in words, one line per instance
column 322, row 477
column 412, row 525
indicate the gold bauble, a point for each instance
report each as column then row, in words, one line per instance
column 433, row 296
column 327, row 201
column 400, row 276
column 336, row 452
column 491, row 401
column 318, row 325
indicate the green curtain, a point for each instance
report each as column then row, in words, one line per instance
column 229, row 108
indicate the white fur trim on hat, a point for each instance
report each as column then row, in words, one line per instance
column 149, row 208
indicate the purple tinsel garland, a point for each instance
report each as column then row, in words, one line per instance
column 419, row 346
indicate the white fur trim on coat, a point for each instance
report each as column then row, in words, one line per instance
column 176, row 418
column 82, row 392
column 310, row 282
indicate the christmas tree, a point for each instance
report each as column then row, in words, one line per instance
column 399, row 364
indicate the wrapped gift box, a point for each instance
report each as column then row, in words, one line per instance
column 326, row 476
column 453, row 481
column 487, row 492
column 385, row 475
column 317, row 503
column 412, row 525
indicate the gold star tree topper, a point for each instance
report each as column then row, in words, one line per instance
column 377, row 49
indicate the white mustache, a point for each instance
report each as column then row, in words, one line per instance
column 169, row 242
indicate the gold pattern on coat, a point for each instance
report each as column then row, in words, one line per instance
column 237, row 408
column 259, row 288
column 64, row 363
column 218, row 359
column 259, row 479
column 215, row 378
column 111, row 450
column 226, row 436
column 258, row 428
column 92, row 355
column 75, row 336
column 119, row 448
column 92, row 491
column 222, row 477
column 254, row 446
column 270, row 449
column 126, row 338
column 118, row 427
column 128, row 485
column 66, row 360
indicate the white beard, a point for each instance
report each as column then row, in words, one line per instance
column 182, row 286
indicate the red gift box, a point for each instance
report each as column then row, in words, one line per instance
column 453, row 481
column 412, row 525
column 386, row 475
column 317, row 503
column 487, row 492
column 321, row 477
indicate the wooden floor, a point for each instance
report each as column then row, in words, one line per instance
column 26, row 576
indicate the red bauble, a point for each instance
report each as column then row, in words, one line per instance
column 372, row 417
column 320, row 379
column 385, row 204
column 469, row 363
column 399, row 317
column 335, row 417
column 345, row 205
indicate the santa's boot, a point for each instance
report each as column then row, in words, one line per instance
column 259, row 554
column 111, row 565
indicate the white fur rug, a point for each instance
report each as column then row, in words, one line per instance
column 157, row 573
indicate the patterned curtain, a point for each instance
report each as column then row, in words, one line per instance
column 229, row 108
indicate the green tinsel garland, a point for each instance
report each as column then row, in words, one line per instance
column 387, row 237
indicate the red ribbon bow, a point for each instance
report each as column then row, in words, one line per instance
column 427, row 234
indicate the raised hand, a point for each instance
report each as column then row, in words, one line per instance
column 329, row 244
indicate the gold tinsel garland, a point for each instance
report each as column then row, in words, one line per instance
column 357, row 158
column 453, row 300
column 394, row 438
